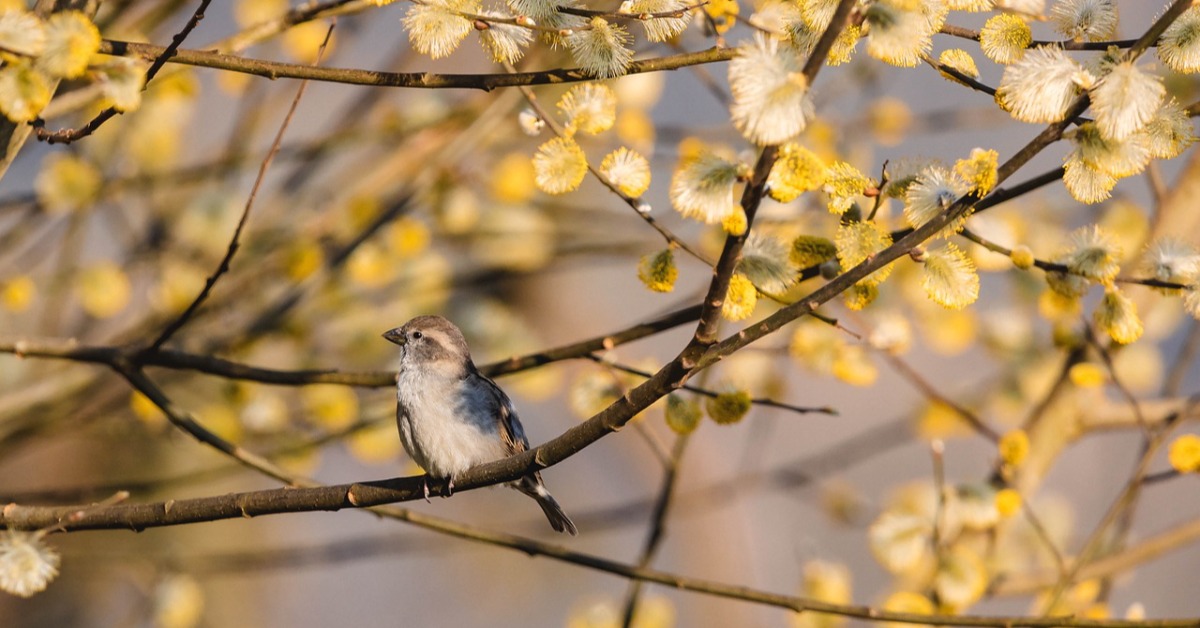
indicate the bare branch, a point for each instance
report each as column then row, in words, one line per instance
column 424, row 80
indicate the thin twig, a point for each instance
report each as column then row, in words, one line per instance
column 234, row 243
column 1184, row 361
column 1066, row 44
column 916, row 379
column 1090, row 333
column 1054, row 267
column 71, row 135
column 1129, row 494
column 762, row 401
column 658, row 525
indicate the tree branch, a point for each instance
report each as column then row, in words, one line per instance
column 426, row 80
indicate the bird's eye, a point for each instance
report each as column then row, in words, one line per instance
column 417, row 335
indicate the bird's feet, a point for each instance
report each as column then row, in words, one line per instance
column 449, row 487
column 425, row 485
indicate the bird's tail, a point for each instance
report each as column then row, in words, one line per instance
column 532, row 486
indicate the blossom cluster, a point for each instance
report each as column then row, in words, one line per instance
column 37, row 53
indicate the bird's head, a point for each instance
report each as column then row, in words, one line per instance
column 431, row 343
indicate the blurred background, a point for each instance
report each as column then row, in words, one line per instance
column 386, row 203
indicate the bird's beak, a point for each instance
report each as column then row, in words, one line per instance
column 395, row 335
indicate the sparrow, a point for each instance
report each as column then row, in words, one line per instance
column 451, row 417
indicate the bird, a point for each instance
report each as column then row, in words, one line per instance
column 451, row 417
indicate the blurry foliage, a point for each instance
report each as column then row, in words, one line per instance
column 386, row 204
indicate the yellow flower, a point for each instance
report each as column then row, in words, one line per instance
column 266, row 412
column 407, row 237
column 702, row 184
column 24, row 91
column 816, row 346
column 303, row 259
column 123, row 80
column 899, row 32
column 1117, row 315
column 740, row 300
column 736, row 223
column 857, row 241
column 908, row 602
column 559, row 166
column 772, row 102
column 796, row 171
column 682, row 414
column 724, row 14
column 331, row 406
column 368, row 266
column 27, row 565
column 1184, row 454
column 960, row 60
column 949, row 332
column 636, row 127
column 979, row 170
column 961, row 577
column 843, row 184
column 248, row 13
column 435, row 28
column 512, row 179
column 826, row 582
column 1004, row 38
column 178, row 602
column 103, row 289
column 658, row 271
column 18, row 293
column 602, row 50
column 808, row 251
column 591, row 392
column 177, row 285
column 375, row 444
column 900, row 541
column 890, row 119
column 939, row 420
column 627, row 170
column 1087, row 375
column 860, row 295
column 23, row 32
column 145, row 410
column 728, row 407
column 221, row 419
column 589, row 108
column 505, row 43
column 1022, row 257
column 1014, row 447
column 854, row 366
column 949, row 278
column 1178, row 45
column 1093, row 254
column 1008, row 502
column 843, row 47
column 1056, row 306
column 71, row 41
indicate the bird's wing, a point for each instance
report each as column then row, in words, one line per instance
column 511, row 431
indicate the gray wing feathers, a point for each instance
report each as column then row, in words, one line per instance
column 515, row 442
column 507, row 422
